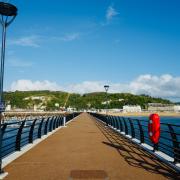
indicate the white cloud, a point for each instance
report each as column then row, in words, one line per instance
column 36, row 40
column 28, row 85
column 71, row 37
column 15, row 62
column 86, row 86
column 165, row 86
column 31, row 41
column 110, row 13
column 158, row 86
column 67, row 37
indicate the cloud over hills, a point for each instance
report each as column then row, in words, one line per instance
column 165, row 86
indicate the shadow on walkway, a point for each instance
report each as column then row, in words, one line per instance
column 134, row 155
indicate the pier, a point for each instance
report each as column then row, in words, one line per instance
column 87, row 148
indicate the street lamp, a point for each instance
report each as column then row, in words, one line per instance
column 8, row 12
column 106, row 87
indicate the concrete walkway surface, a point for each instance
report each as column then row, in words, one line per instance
column 86, row 149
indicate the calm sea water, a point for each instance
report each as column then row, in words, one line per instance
column 165, row 144
column 165, row 119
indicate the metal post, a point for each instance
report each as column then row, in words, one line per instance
column 6, row 11
column 64, row 121
column 106, row 87
column 106, row 104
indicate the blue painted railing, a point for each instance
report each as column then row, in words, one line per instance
column 169, row 142
column 17, row 134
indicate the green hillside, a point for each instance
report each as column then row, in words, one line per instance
column 48, row 99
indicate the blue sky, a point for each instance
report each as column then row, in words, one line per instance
column 78, row 45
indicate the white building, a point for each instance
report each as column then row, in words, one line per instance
column 70, row 109
column 177, row 108
column 42, row 98
column 8, row 107
column 131, row 108
column 106, row 102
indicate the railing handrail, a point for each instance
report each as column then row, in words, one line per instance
column 138, row 129
column 26, row 131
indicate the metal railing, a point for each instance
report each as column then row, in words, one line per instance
column 20, row 133
column 169, row 142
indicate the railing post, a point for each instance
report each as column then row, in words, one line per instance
column 51, row 123
column 3, row 129
column 40, row 128
column 120, row 123
column 141, row 131
column 46, row 126
column 57, row 122
column 132, row 127
column 155, row 147
column 31, row 131
column 67, row 118
column 18, row 137
column 114, row 122
column 111, row 123
column 110, row 117
column 117, row 123
column 125, row 126
column 102, row 118
column 107, row 120
column 60, row 120
column 54, row 123
column 175, row 142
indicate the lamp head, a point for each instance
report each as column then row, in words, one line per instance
column 106, row 87
column 7, row 9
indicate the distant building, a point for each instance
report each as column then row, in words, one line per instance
column 8, row 107
column 42, row 98
column 70, row 109
column 177, row 108
column 131, row 108
column 106, row 102
column 163, row 107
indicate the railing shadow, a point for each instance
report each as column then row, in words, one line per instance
column 134, row 155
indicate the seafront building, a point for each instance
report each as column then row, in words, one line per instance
column 131, row 108
column 163, row 107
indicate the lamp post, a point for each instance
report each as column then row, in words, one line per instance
column 8, row 12
column 106, row 87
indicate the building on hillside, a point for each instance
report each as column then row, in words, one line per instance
column 70, row 109
column 106, row 102
column 131, row 108
column 42, row 98
column 8, row 107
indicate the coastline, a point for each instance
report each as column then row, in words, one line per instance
column 147, row 114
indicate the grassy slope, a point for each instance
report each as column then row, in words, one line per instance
column 92, row 100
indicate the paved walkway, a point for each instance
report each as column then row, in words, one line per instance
column 87, row 145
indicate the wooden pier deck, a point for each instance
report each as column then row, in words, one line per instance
column 86, row 149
